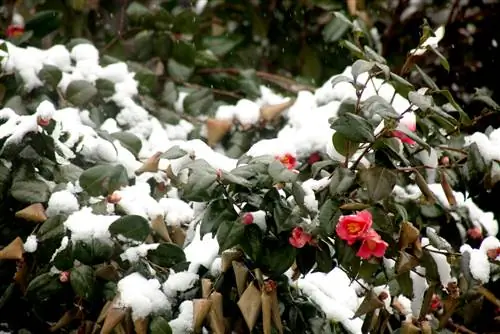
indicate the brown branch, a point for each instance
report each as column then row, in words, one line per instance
column 458, row 328
column 284, row 82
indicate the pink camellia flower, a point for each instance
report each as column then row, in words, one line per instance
column 409, row 122
column 299, row 238
column 288, row 160
column 352, row 227
column 372, row 245
column 435, row 303
column 247, row 218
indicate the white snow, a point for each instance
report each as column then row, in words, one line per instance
column 143, row 296
column 31, row 244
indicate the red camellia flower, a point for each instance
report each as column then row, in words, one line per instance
column 353, row 227
column 314, row 157
column 372, row 245
column 435, row 303
column 408, row 121
column 14, row 31
column 299, row 238
column 288, row 160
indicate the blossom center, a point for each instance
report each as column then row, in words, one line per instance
column 353, row 228
column 371, row 244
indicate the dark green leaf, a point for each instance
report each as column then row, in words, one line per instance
column 336, row 28
column 251, row 243
column 198, row 102
column 175, row 152
column 159, row 325
column 379, row 182
column 105, row 88
column 102, row 180
column 43, row 22
column 221, row 45
column 92, row 252
column 82, row 281
column 50, row 75
column 230, row 234
column 280, row 173
column 131, row 227
column 217, row 212
column 167, row 255
column 342, row 180
column 130, row 141
column 30, row 191
column 354, row 128
column 442, row 59
column 427, row 79
column 80, row 92
column 378, row 105
column 43, row 286
column 361, row 66
column 202, row 182
column 327, row 215
column 179, row 71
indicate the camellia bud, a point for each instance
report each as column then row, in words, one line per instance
column 270, row 286
column 64, row 276
column 383, row 295
column 114, row 198
column 43, row 121
column 475, row 233
column 445, row 161
column 247, row 218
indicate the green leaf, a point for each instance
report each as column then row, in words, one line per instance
column 217, row 212
column 361, row 66
column 92, row 251
column 80, row 92
column 137, row 12
column 427, row 79
column 402, row 86
column 50, row 75
column 170, row 94
column 43, row 287
column 442, row 59
column 342, row 180
column 298, row 194
column 378, row 105
column 129, row 141
column 229, row 178
column 43, row 22
column 64, row 259
column 175, row 152
column 251, row 243
column 336, row 28
column 343, row 145
column 277, row 257
column 221, row 45
column 198, row 102
column 341, row 78
column 486, row 99
column 184, row 52
column 354, row 128
column 327, row 214
column 205, row 58
column 379, row 182
column 202, row 182
column 179, row 71
column 464, row 118
column 373, row 55
column 167, row 255
column 82, row 281
column 410, row 134
column 230, row 234
column 159, row 325
column 105, row 88
column 30, row 191
column 280, row 173
column 354, row 49
column 131, row 227
column 424, row 102
column 102, row 180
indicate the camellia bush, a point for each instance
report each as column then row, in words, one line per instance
column 349, row 208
